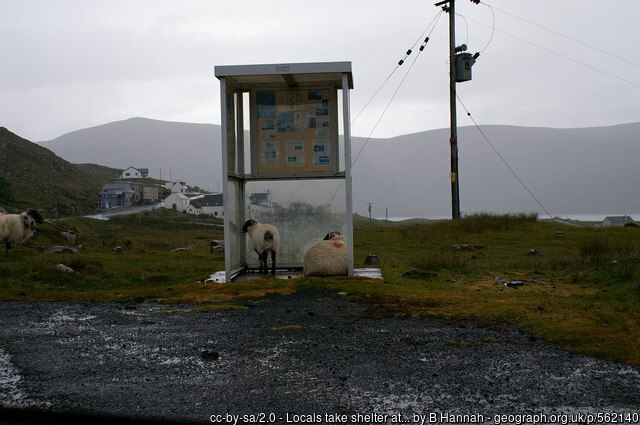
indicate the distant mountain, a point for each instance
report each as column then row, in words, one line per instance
column 585, row 170
column 180, row 151
column 32, row 176
column 569, row 171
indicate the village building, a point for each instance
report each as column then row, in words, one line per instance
column 176, row 187
column 213, row 205
column 620, row 220
column 194, row 209
column 176, row 202
column 135, row 173
column 115, row 195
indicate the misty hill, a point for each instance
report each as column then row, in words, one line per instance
column 34, row 177
column 181, row 151
column 578, row 171
column 587, row 170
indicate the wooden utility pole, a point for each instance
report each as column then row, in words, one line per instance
column 455, row 189
column 460, row 64
column 453, row 141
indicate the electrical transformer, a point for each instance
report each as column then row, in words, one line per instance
column 464, row 62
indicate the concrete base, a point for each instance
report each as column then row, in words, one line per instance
column 220, row 277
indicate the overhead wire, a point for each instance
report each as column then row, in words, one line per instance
column 575, row 40
column 421, row 49
column 466, row 24
column 493, row 28
column 429, row 29
column 398, row 65
column 502, row 159
column 560, row 54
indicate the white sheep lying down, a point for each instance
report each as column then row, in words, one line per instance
column 17, row 228
column 327, row 257
column 264, row 239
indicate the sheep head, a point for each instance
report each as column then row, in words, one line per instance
column 249, row 223
column 335, row 235
column 34, row 215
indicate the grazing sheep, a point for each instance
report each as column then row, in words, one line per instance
column 327, row 257
column 264, row 238
column 17, row 228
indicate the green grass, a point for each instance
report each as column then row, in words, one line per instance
column 581, row 289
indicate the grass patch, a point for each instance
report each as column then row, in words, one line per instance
column 220, row 307
column 581, row 287
column 286, row 328
column 457, row 342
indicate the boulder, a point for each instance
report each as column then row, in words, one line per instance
column 69, row 235
column 64, row 268
column 60, row 249
column 419, row 274
column 372, row 260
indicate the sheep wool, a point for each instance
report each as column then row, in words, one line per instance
column 327, row 257
column 264, row 239
column 17, row 228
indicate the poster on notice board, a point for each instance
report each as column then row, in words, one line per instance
column 294, row 130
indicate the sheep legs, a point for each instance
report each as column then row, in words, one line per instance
column 273, row 262
column 264, row 267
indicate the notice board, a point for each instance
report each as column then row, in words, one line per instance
column 296, row 131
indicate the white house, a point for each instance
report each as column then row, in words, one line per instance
column 193, row 209
column 135, row 173
column 176, row 202
column 213, row 205
column 176, row 187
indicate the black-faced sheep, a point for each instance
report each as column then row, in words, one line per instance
column 264, row 239
column 17, row 228
column 327, row 257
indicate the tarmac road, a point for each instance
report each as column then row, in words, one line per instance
column 312, row 357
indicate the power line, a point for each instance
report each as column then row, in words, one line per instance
column 493, row 28
column 422, row 47
column 400, row 62
column 575, row 40
column 560, row 54
column 502, row 159
column 431, row 25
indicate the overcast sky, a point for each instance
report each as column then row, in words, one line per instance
column 71, row 64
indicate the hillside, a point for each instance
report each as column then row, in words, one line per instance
column 570, row 171
column 40, row 179
column 180, row 151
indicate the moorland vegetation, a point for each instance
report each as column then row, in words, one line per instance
column 578, row 287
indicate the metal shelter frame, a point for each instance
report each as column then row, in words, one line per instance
column 263, row 83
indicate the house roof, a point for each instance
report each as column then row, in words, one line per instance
column 141, row 170
column 117, row 187
column 215, row 200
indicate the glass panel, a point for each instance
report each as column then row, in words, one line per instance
column 304, row 211
column 234, row 242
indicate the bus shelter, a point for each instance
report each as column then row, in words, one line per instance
column 284, row 162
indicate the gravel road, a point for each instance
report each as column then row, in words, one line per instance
column 309, row 357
